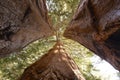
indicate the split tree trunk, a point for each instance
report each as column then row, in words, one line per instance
column 21, row 22
column 96, row 25
column 55, row 65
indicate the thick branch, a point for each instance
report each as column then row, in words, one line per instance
column 22, row 22
column 96, row 25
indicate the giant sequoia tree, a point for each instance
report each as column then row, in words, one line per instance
column 96, row 25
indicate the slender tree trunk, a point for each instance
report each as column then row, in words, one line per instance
column 21, row 22
column 55, row 65
column 96, row 25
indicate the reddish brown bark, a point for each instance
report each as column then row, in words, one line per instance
column 96, row 25
column 22, row 22
column 55, row 65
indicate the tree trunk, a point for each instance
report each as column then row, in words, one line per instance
column 22, row 22
column 55, row 65
column 96, row 25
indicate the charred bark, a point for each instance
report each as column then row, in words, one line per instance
column 21, row 22
column 96, row 25
column 55, row 65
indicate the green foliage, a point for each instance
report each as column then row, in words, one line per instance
column 61, row 9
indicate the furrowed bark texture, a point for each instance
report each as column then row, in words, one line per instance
column 55, row 65
column 96, row 25
column 22, row 22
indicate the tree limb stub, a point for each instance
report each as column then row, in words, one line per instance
column 22, row 22
column 96, row 25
